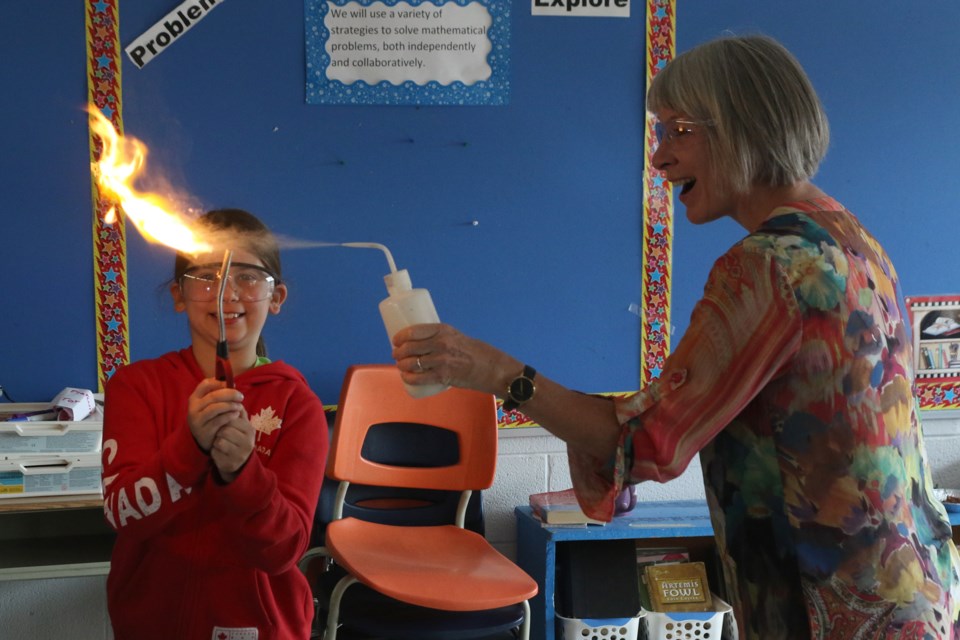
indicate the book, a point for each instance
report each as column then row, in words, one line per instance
column 595, row 579
column 656, row 555
column 559, row 507
column 679, row 587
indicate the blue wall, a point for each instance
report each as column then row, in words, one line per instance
column 888, row 74
column 552, row 179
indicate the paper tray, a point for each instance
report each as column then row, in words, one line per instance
column 47, row 437
column 30, row 476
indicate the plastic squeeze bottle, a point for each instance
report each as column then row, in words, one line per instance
column 403, row 307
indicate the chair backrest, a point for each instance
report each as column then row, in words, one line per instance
column 398, row 505
column 373, row 398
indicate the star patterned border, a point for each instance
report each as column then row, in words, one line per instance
column 109, row 240
column 657, row 209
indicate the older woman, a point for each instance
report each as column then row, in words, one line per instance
column 793, row 380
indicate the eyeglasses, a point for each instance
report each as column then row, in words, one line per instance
column 251, row 283
column 676, row 129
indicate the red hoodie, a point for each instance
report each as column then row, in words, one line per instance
column 195, row 558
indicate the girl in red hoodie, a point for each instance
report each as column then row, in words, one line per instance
column 212, row 489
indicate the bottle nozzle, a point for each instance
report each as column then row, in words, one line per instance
column 374, row 245
column 397, row 281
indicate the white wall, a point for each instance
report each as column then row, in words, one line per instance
column 73, row 608
column 530, row 461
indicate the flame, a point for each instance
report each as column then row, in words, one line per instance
column 121, row 162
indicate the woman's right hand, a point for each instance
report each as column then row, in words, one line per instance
column 211, row 406
column 438, row 353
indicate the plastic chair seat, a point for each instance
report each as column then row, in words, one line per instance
column 441, row 567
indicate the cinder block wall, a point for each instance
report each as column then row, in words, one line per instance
column 532, row 460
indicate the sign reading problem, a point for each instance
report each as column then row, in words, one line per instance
column 155, row 40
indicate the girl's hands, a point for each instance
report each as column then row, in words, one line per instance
column 211, row 406
column 220, row 425
column 232, row 447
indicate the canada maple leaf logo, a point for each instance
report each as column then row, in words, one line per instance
column 266, row 422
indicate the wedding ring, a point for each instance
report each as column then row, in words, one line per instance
column 419, row 365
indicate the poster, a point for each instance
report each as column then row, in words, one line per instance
column 438, row 52
column 935, row 324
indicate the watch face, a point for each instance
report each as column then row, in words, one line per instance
column 521, row 389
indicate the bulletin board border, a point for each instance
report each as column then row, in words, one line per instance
column 102, row 24
column 657, row 207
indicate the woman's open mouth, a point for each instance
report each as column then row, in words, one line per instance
column 685, row 184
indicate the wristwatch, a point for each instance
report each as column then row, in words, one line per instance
column 520, row 389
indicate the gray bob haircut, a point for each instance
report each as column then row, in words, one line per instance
column 765, row 123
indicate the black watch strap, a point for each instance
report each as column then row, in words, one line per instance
column 520, row 389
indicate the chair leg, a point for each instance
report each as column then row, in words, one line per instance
column 333, row 614
column 525, row 627
column 315, row 632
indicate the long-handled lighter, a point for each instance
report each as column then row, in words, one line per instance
column 223, row 368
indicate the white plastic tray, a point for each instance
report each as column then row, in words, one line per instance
column 680, row 625
column 46, row 437
column 62, row 475
column 605, row 629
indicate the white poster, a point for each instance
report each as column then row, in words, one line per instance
column 399, row 43
column 382, row 52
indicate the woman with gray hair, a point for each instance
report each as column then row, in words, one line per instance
column 793, row 380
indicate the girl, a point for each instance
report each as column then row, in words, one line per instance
column 212, row 490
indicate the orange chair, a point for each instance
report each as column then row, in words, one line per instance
column 445, row 568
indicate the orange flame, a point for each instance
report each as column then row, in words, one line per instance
column 121, row 163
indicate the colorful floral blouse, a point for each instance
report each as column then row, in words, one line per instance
column 794, row 382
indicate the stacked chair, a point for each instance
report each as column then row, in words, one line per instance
column 402, row 535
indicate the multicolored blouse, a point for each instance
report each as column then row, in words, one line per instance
column 794, row 382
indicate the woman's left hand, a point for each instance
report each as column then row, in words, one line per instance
column 232, row 447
